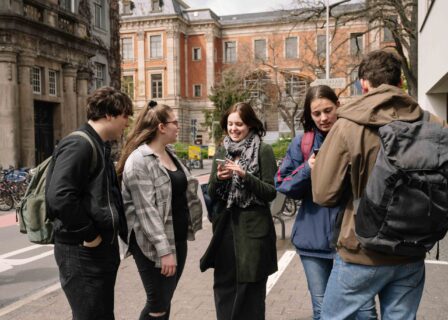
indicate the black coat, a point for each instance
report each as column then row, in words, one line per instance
column 253, row 227
column 84, row 204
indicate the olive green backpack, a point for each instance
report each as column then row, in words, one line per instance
column 32, row 214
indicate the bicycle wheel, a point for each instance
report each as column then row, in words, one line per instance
column 6, row 201
column 290, row 207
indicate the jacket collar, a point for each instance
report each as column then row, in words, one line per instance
column 89, row 129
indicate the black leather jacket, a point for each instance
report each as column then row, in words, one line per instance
column 84, row 204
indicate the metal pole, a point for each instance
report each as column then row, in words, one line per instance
column 327, row 46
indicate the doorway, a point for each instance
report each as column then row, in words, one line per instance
column 43, row 130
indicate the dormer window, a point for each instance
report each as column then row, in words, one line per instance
column 157, row 5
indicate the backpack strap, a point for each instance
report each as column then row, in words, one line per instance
column 94, row 154
column 426, row 115
column 306, row 145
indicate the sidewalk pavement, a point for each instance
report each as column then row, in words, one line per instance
column 193, row 300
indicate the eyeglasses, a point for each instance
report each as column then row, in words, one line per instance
column 175, row 122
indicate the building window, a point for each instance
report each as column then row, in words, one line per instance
column 155, row 44
column 356, row 46
column 156, row 5
column 230, row 51
column 156, row 86
column 127, row 49
column 36, row 80
column 355, row 87
column 100, row 70
column 391, row 23
column 294, row 86
column 127, row 85
column 52, row 83
column 291, row 48
column 67, row 5
column 197, row 90
column 321, row 46
column 196, row 54
column 320, row 73
column 260, row 49
column 99, row 14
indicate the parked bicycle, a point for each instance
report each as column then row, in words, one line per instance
column 13, row 185
column 291, row 205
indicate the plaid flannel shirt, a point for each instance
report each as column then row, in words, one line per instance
column 146, row 190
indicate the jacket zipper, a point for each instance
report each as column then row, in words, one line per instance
column 108, row 201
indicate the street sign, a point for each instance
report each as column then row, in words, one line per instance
column 332, row 82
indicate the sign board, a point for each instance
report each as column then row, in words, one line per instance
column 211, row 150
column 332, row 82
column 194, row 152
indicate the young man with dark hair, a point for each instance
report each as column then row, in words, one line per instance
column 83, row 195
column 348, row 155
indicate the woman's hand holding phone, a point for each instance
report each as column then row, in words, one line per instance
column 223, row 173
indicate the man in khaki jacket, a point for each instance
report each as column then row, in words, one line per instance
column 348, row 156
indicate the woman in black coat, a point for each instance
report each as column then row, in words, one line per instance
column 242, row 249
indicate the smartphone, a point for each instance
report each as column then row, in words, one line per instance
column 316, row 151
column 221, row 162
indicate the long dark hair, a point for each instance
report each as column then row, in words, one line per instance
column 317, row 92
column 248, row 116
column 144, row 130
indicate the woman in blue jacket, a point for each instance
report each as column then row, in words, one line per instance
column 313, row 229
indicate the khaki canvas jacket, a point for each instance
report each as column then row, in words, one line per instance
column 350, row 151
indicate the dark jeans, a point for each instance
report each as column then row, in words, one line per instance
column 159, row 289
column 235, row 300
column 88, row 277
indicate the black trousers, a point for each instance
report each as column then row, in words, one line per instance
column 235, row 300
column 159, row 289
column 88, row 277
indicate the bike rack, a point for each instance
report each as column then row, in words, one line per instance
column 277, row 207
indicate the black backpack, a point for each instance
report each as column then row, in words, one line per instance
column 404, row 208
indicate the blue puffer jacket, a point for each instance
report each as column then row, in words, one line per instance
column 313, row 229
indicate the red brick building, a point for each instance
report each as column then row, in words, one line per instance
column 174, row 54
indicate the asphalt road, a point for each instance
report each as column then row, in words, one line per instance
column 24, row 268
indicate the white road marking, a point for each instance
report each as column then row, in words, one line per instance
column 8, row 264
column 436, row 262
column 283, row 263
column 26, row 249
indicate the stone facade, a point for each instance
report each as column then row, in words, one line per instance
column 53, row 54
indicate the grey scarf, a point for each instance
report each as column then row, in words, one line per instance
column 234, row 190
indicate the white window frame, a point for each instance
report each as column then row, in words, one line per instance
column 199, row 57
column 265, row 48
column 99, row 5
column 36, row 79
column 200, row 90
column 297, row 47
column 161, row 46
column 161, row 86
column 354, row 74
column 126, row 90
column 350, row 44
column 323, row 54
column 131, row 56
column 52, row 83
column 159, row 9
column 71, row 5
column 224, row 51
column 100, row 75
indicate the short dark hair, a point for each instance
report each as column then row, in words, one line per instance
column 248, row 116
column 380, row 67
column 108, row 101
column 317, row 92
